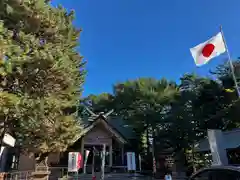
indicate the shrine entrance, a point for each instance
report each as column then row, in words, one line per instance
column 97, row 155
column 94, row 137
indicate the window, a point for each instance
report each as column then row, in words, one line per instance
column 15, row 162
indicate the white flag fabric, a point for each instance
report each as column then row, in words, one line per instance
column 209, row 49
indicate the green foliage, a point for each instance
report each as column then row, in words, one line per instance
column 100, row 103
column 41, row 73
column 142, row 103
column 170, row 117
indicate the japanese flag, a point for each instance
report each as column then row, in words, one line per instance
column 209, row 49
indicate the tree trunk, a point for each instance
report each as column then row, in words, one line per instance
column 179, row 164
column 153, row 151
column 193, row 159
column 148, row 144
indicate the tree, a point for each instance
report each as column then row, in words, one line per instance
column 204, row 104
column 167, row 116
column 98, row 103
column 41, row 74
column 143, row 103
column 224, row 75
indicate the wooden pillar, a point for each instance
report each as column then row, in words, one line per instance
column 82, row 146
column 93, row 163
column 110, row 155
column 82, row 152
column 103, row 162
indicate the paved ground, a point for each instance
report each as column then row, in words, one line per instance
column 116, row 176
column 122, row 176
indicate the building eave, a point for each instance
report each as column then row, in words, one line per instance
column 106, row 125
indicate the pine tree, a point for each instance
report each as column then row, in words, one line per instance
column 41, row 74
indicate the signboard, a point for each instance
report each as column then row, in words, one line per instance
column 9, row 140
column 131, row 161
column 74, row 161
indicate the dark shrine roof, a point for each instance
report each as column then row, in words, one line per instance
column 116, row 123
column 126, row 130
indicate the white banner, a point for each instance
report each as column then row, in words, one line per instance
column 131, row 161
column 86, row 155
column 85, row 161
column 74, row 161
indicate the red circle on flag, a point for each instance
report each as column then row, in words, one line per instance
column 207, row 50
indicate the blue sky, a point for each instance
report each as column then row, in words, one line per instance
column 127, row 39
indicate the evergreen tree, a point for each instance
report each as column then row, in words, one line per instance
column 41, row 74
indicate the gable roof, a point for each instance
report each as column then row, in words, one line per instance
column 230, row 139
column 115, row 122
column 115, row 127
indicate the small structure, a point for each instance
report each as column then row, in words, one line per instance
column 40, row 173
column 231, row 143
column 99, row 129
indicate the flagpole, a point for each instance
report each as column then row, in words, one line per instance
column 230, row 62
